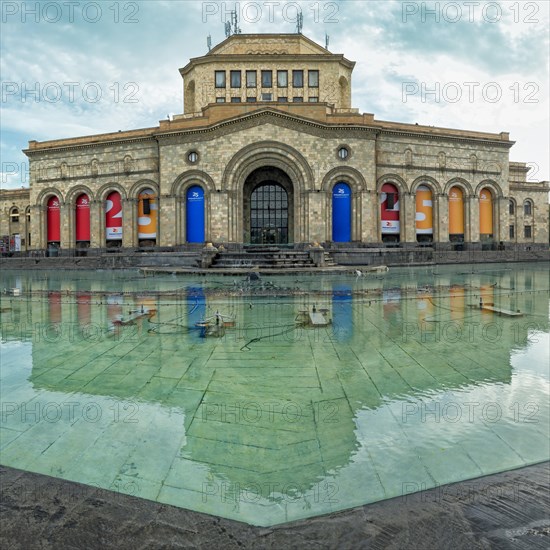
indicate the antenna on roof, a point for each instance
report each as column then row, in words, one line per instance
column 327, row 38
column 232, row 27
column 299, row 22
column 235, row 20
column 209, row 42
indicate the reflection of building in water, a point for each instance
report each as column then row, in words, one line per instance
column 271, row 397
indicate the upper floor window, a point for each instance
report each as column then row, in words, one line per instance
column 298, row 79
column 297, row 99
column 235, row 79
column 313, row 99
column 28, row 214
column 313, row 79
column 267, row 79
column 527, row 231
column 527, row 208
column 251, row 99
column 512, row 232
column 251, row 79
column 282, row 79
column 220, row 79
column 220, row 100
column 235, row 100
column 511, row 207
column 267, row 97
column 14, row 215
column 282, row 99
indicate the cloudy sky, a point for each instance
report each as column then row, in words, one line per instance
column 78, row 68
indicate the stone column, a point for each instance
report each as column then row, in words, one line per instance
column 471, row 222
column 167, row 226
column 96, row 211
column 441, row 215
column 66, row 222
column 129, row 223
column 501, row 216
column 407, row 218
column 218, row 219
column 369, row 216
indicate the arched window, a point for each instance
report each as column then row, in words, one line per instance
column 341, row 213
column 14, row 215
column 486, row 214
column 147, row 217
column 456, row 215
column 389, row 213
column 511, row 207
column 53, row 220
column 527, row 208
column 82, row 219
column 194, row 214
column 113, row 219
column 424, row 214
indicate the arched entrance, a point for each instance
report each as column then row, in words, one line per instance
column 268, row 207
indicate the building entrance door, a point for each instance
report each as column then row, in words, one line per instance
column 269, row 214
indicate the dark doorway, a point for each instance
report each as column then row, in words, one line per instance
column 269, row 214
column 268, row 207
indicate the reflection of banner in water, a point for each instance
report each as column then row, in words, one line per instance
column 425, row 308
column 84, row 309
column 457, row 295
column 342, row 313
column 487, row 294
column 196, row 303
column 114, row 307
column 391, row 300
column 54, row 301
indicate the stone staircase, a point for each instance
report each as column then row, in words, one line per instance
column 268, row 257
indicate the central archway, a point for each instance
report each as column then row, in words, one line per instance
column 268, row 201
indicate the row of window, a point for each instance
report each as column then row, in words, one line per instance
column 527, row 208
column 269, row 97
column 266, row 79
column 527, row 231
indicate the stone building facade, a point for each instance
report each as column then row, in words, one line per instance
column 269, row 150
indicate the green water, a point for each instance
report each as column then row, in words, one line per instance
column 410, row 386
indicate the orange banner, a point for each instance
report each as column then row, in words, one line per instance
column 424, row 210
column 485, row 212
column 456, row 211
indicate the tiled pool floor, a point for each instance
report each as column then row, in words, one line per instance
column 407, row 389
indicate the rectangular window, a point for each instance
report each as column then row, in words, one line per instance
column 29, row 239
column 282, row 99
column 267, row 79
column 220, row 79
column 251, row 100
column 267, row 97
column 235, row 79
column 220, row 100
column 282, row 79
column 250, row 79
column 313, row 79
column 235, row 100
column 512, row 232
column 527, row 208
column 297, row 99
column 527, row 231
column 298, row 79
column 313, row 99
